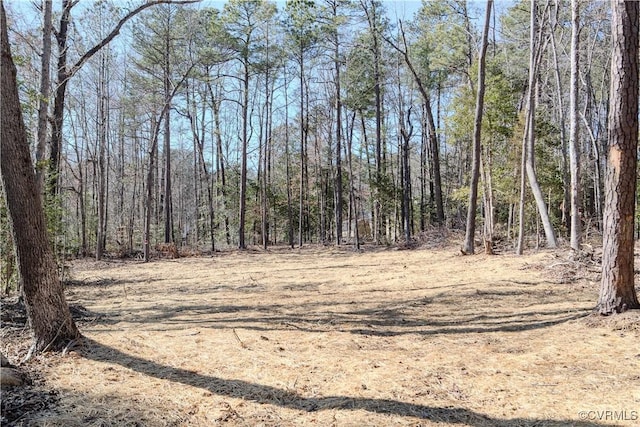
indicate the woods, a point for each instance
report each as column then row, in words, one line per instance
column 174, row 125
column 196, row 125
column 368, row 135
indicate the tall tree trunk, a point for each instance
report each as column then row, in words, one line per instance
column 168, row 198
column 215, row 102
column 59, row 99
column 566, row 180
column 49, row 317
column 529, row 137
column 153, row 150
column 468, row 247
column 338, row 177
column 149, row 186
column 574, row 135
column 352, row 184
column 406, row 173
column 199, row 145
column 101, row 152
column 288, row 165
column 45, row 87
column 617, row 291
column 434, row 146
column 243, row 166
column 303, row 149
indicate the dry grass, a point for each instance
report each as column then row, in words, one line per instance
column 330, row 337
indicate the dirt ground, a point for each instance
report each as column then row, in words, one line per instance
column 329, row 337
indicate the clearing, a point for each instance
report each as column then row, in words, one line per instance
column 326, row 336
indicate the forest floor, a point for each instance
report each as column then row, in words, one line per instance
column 329, row 337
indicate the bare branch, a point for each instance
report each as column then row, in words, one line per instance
column 95, row 49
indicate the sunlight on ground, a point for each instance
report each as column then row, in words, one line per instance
column 331, row 337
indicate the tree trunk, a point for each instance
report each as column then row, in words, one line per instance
column 468, row 247
column 574, row 141
column 101, row 150
column 566, row 183
column 49, row 316
column 215, row 102
column 352, row 191
column 617, row 291
column 338, row 177
column 303, row 150
column 45, row 87
column 243, row 166
column 434, row 145
column 528, row 158
column 59, row 99
column 168, row 197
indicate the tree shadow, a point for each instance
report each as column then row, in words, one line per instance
column 263, row 394
column 391, row 318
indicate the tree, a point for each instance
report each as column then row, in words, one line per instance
column 64, row 73
column 574, row 143
column 434, row 144
column 468, row 246
column 242, row 22
column 45, row 78
column 51, row 323
column 335, row 20
column 303, row 34
column 617, row 291
column 528, row 158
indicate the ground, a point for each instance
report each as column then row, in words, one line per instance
column 326, row 336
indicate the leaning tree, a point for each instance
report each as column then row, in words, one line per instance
column 50, row 319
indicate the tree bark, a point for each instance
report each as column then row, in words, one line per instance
column 49, row 317
column 617, row 291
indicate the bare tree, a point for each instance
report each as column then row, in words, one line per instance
column 64, row 73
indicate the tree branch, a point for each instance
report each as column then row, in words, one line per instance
column 407, row 60
column 95, row 49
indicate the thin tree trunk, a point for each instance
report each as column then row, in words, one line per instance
column 468, row 247
column 529, row 139
column 101, row 152
column 168, row 197
column 45, row 87
column 303, row 149
column 243, row 166
column 434, row 146
column 352, row 194
column 566, row 205
column 338, row 177
column 574, row 135
column 220, row 163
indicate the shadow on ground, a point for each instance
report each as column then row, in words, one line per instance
column 263, row 394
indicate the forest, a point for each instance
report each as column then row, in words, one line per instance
column 253, row 206
column 332, row 122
